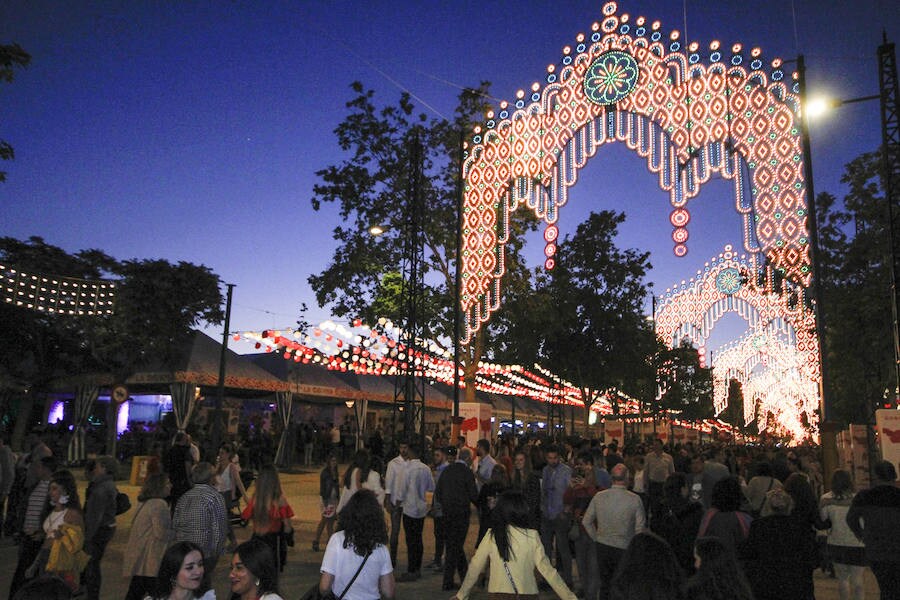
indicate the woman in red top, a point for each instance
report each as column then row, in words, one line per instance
column 270, row 514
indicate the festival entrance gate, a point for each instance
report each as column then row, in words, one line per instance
column 689, row 112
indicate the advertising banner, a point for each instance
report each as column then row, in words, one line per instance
column 888, row 422
column 476, row 422
column 613, row 429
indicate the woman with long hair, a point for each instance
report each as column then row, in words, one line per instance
column 253, row 574
column 329, row 493
column 845, row 550
column 356, row 474
column 528, row 481
column 515, row 551
column 270, row 514
column 229, row 484
column 62, row 553
column 151, row 532
column 181, row 574
column 648, row 571
column 357, row 554
column 719, row 575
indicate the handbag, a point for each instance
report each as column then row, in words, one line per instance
column 314, row 593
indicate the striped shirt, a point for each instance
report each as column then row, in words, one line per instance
column 37, row 500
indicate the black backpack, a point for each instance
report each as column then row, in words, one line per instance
column 123, row 503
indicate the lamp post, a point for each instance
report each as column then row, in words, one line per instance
column 890, row 130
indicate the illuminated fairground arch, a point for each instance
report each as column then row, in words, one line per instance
column 778, row 390
column 689, row 113
column 728, row 283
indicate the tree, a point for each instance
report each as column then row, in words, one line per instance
column 584, row 319
column 157, row 305
column 12, row 56
column 688, row 386
column 370, row 187
column 854, row 254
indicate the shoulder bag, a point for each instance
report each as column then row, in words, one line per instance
column 515, row 595
column 314, row 593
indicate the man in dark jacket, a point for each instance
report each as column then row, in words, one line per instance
column 456, row 492
column 99, row 519
column 874, row 517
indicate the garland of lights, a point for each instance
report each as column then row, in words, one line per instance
column 380, row 350
column 56, row 295
column 689, row 115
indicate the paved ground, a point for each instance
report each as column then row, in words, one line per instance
column 302, row 569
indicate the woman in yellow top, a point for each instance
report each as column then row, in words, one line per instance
column 62, row 553
column 515, row 551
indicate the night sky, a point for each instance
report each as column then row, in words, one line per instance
column 192, row 130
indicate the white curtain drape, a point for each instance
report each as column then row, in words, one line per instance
column 85, row 396
column 285, row 402
column 183, row 394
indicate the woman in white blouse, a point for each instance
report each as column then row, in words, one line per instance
column 515, row 551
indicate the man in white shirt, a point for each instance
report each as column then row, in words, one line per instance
column 612, row 518
column 658, row 465
column 418, row 483
column 394, row 481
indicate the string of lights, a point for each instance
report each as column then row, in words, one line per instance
column 52, row 294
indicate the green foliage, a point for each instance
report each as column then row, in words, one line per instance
column 688, row 386
column 370, row 187
column 854, row 240
column 584, row 319
column 12, row 56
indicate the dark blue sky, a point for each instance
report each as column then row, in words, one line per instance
column 192, row 130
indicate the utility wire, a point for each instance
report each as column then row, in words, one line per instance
column 377, row 69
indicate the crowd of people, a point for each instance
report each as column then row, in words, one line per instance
column 591, row 520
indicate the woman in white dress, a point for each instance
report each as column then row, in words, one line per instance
column 360, row 475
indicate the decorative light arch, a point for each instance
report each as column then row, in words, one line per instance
column 689, row 114
column 731, row 283
column 773, row 374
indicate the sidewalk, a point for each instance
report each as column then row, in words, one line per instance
column 302, row 569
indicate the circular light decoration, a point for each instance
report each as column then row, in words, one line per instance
column 728, row 281
column 610, row 78
column 680, row 217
